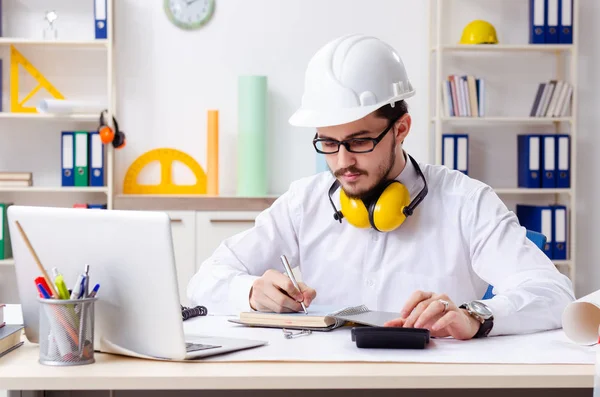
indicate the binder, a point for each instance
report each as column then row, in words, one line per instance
column 448, row 151
column 563, row 161
column 100, row 19
column 96, row 159
column 529, row 161
column 97, row 206
column 559, row 251
column 5, row 244
column 80, row 205
column 537, row 21
column 565, row 31
column 81, row 158
column 455, row 152
column 551, row 30
column 462, row 153
column 549, row 161
column 538, row 219
column 67, row 152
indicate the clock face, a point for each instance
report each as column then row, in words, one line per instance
column 189, row 14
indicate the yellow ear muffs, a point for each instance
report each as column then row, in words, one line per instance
column 355, row 211
column 387, row 212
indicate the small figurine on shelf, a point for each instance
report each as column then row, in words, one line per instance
column 50, row 32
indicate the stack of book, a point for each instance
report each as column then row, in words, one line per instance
column 16, row 179
column 463, row 96
column 552, row 99
column 10, row 334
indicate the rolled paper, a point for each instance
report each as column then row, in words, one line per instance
column 581, row 319
column 64, row 106
column 252, row 136
column 212, row 154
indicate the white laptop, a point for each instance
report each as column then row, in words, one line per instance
column 130, row 254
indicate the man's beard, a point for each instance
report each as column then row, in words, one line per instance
column 382, row 173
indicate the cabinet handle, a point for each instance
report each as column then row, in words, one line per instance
column 232, row 221
column 176, row 220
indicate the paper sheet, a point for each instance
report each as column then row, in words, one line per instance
column 551, row 347
column 581, row 319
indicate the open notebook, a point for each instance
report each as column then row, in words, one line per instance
column 318, row 318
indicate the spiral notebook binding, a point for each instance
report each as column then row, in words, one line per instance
column 352, row 310
column 189, row 312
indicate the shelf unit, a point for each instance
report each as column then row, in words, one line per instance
column 441, row 50
column 106, row 45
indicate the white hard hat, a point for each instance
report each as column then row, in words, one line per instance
column 349, row 78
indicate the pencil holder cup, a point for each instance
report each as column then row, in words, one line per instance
column 66, row 331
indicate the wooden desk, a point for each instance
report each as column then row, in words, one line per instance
column 20, row 370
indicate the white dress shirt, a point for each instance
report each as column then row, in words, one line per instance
column 460, row 239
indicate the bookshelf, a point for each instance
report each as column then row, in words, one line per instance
column 513, row 84
column 22, row 28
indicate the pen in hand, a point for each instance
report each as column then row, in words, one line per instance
column 288, row 270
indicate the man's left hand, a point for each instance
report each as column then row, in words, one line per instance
column 438, row 314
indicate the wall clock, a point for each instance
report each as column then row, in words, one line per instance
column 189, row 14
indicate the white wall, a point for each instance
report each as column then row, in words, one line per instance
column 168, row 78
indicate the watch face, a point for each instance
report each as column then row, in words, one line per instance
column 481, row 309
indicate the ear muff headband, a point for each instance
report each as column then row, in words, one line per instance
column 108, row 135
column 385, row 211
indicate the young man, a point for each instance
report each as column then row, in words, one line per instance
column 430, row 246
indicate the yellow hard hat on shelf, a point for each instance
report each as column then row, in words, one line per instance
column 479, row 32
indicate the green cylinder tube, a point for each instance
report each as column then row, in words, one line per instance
column 252, row 136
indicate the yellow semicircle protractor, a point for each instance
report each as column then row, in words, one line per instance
column 166, row 157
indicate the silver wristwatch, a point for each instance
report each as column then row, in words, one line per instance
column 482, row 313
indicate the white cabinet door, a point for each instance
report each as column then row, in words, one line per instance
column 183, row 229
column 214, row 227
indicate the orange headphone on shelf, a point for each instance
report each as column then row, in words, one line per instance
column 110, row 135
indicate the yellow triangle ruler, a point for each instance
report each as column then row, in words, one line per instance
column 16, row 59
column 165, row 157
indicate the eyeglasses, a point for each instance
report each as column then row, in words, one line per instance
column 354, row 145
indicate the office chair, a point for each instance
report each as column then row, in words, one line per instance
column 538, row 239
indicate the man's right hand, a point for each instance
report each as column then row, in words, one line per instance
column 275, row 292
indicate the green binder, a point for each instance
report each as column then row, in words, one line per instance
column 80, row 154
column 5, row 246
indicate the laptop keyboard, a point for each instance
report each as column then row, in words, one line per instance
column 192, row 347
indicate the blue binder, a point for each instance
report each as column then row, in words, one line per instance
column 565, row 12
column 100, row 19
column 96, row 156
column 548, row 161
column 67, row 157
column 539, row 219
column 455, row 152
column 529, row 161
column 563, row 161
column 559, row 223
column 97, row 206
column 552, row 22
column 537, row 21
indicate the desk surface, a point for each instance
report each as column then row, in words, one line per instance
column 20, row 370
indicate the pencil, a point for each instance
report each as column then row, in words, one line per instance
column 37, row 260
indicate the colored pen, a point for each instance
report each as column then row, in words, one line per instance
column 290, row 274
column 43, row 291
column 42, row 280
column 61, row 287
column 94, row 291
column 77, row 287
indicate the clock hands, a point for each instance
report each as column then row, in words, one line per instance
column 188, row 2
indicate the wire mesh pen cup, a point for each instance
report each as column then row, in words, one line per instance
column 66, row 331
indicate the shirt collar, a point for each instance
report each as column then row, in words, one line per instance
column 409, row 177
